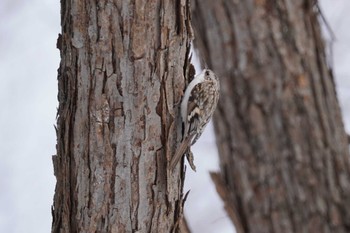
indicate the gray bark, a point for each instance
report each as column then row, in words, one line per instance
column 283, row 150
column 120, row 80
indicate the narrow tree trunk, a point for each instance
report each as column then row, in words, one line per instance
column 283, row 150
column 120, row 80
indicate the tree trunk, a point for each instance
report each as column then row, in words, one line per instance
column 283, row 150
column 120, row 80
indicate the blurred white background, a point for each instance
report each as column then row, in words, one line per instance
column 28, row 99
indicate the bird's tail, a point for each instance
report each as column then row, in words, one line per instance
column 180, row 152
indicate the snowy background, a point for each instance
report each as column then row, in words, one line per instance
column 28, row 90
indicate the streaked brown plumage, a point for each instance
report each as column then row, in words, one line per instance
column 197, row 107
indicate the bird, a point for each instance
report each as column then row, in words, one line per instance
column 197, row 107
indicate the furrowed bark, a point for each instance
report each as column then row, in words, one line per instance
column 121, row 78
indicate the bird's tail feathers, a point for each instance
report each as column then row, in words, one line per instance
column 180, row 152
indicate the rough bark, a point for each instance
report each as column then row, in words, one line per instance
column 120, row 80
column 283, row 151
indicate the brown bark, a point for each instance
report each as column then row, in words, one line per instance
column 120, row 80
column 283, row 151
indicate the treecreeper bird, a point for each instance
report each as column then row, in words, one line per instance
column 197, row 107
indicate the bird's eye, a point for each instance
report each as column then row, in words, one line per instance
column 207, row 73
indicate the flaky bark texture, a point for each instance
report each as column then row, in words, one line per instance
column 283, row 150
column 120, row 80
